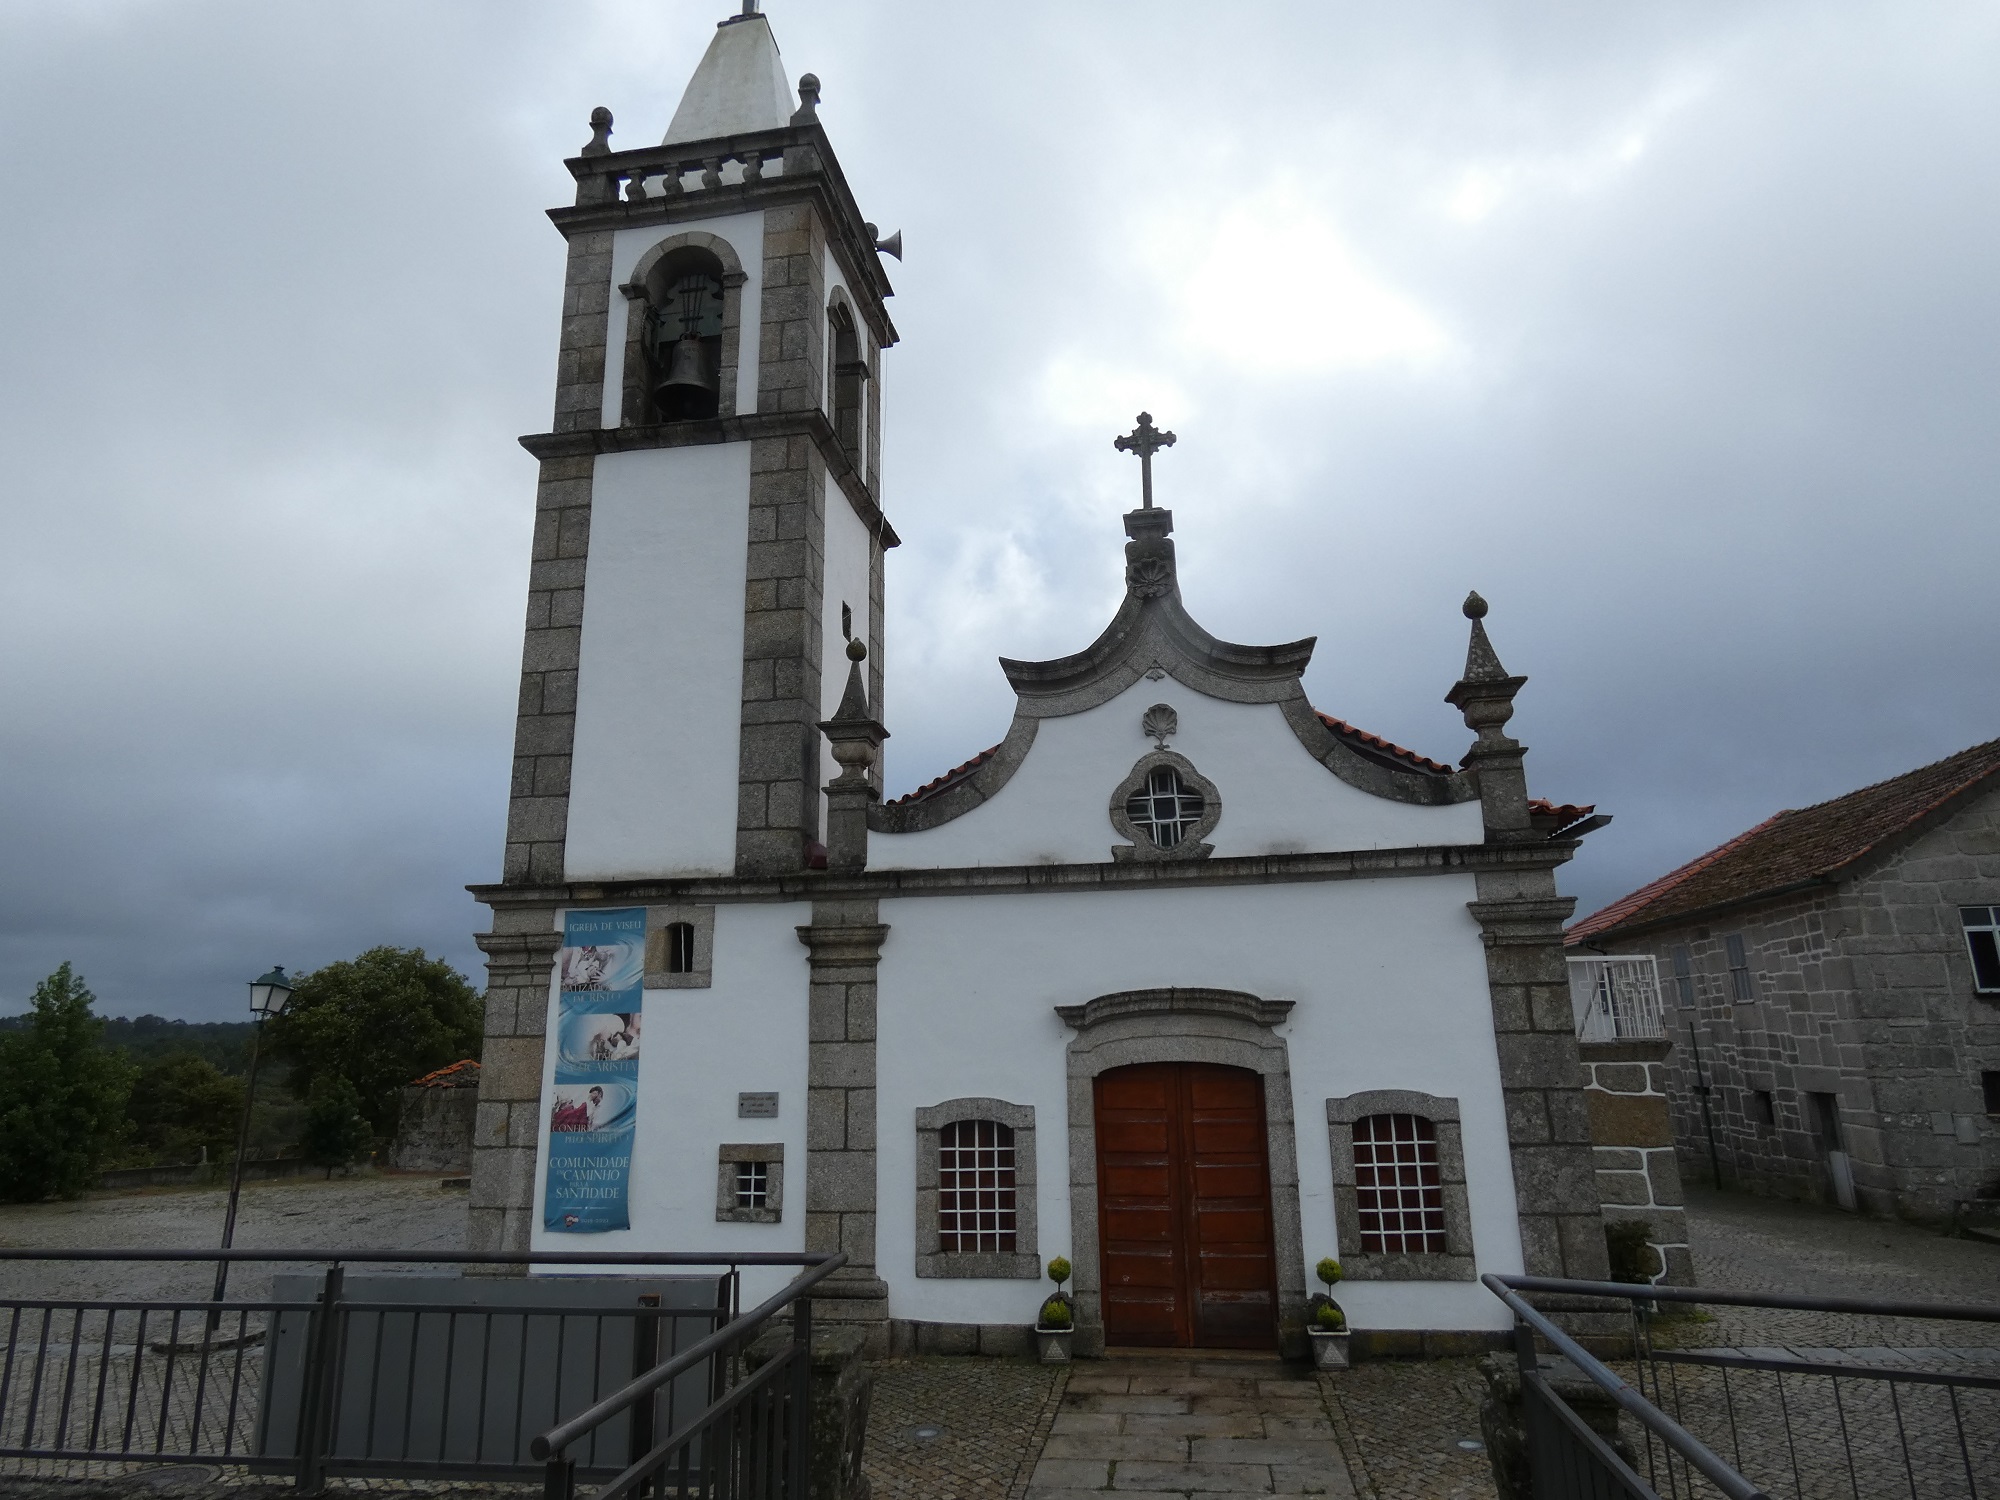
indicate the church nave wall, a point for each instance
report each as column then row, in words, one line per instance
column 1390, row 989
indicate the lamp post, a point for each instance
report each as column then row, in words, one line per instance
column 269, row 994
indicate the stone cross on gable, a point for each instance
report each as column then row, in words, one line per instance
column 1144, row 440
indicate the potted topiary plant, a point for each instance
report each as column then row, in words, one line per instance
column 1326, row 1324
column 1057, row 1324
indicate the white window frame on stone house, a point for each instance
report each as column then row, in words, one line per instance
column 729, row 1209
column 1989, row 961
column 660, row 920
column 1456, row 1263
column 1023, row 1263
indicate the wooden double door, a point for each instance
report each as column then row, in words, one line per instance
column 1184, row 1207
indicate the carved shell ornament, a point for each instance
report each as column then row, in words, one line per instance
column 1159, row 723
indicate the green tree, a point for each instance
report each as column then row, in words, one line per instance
column 182, row 1105
column 379, row 1021
column 62, row 1095
column 335, row 1133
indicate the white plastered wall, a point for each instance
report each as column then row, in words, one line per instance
column 1276, row 799
column 745, row 233
column 653, row 779
column 847, row 555
column 1389, row 980
column 699, row 1049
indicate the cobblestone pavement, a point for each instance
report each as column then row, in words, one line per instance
column 1801, row 1249
column 1405, row 1428
column 1797, row 1433
column 1151, row 1427
column 356, row 1213
column 958, row 1428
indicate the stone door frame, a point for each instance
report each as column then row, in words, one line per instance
column 1227, row 1027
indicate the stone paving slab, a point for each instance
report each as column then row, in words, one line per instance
column 1181, row 1426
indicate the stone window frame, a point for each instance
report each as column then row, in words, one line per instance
column 1142, row 847
column 838, row 306
column 1457, row 1263
column 1024, row 1263
column 658, row 920
column 633, row 401
column 772, row 1154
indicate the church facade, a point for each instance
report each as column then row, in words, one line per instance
column 1184, row 980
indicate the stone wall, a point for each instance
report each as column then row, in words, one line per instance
column 1862, row 992
column 520, row 953
column 1632, row 1139
column 434, row 1131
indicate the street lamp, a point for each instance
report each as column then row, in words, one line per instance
column 269, row 994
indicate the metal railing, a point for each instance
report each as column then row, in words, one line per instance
column 1823, row 1423
column 751, row 1442
column 396, row 1375
column 1616, row 997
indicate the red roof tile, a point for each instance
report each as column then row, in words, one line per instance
column 1801, row 845
column 460, row 1075
column 1362, row 738
column 950, row 779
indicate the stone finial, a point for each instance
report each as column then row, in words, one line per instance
column 1485, row 696
column 1482, row 662
column 808, row 110
column 600, row 133
column 854, row 736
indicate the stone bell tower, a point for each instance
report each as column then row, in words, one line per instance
column 709, row 528
column 709, row 539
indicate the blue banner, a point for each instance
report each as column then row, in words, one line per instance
column 594, row 1103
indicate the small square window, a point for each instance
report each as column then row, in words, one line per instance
column 1989, row 1081
column 750, row 1183
column 1982, row 942
column 1763, row 1108
column 1740, row 984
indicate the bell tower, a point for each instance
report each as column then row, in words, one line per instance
column 709, row 532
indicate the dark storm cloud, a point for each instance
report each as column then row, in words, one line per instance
column 1669, row 328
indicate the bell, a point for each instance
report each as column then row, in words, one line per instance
column 687, row 368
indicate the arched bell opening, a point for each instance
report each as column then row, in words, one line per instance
column 846, row 370
column 682, row 335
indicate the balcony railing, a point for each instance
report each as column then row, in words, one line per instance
column 1616, row 997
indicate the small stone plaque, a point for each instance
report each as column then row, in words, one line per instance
column 756, row 1106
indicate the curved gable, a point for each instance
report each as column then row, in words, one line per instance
column 1248, row 708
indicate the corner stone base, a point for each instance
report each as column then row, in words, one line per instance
column 1424, row 1343
column 1000, row 1340
column 909, row 1337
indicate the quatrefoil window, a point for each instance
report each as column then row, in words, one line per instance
column 1165, row 807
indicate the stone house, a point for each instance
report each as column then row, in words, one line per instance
column 1832, row 984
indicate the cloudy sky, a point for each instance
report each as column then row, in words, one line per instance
column 1672, row 328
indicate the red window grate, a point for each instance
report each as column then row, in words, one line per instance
column 976, row 1187
column 1397, row 1185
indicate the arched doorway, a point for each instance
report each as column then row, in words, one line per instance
column 1184, row 1207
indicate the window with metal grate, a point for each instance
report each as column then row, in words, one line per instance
column 1397, row 1186
column 976, row 1206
